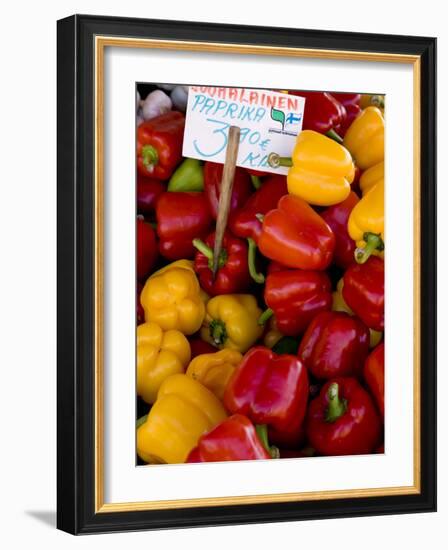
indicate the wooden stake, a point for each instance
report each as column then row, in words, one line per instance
column 228, row 175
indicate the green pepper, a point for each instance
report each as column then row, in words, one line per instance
column 188, row 177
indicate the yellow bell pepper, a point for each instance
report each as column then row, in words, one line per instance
column 322, row 170
column 214, row 370
column 367, row 100
column 231, row 321
column 339, row 304
column 372, row 176
column 184, row 410
column 366, row 224
column 365, row 138
column 172, row 299
column 184, row 264
column 272, row 335
column 159, row 355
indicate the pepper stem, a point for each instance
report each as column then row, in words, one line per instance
column 208, row 253
column 275, row 160
column 262, row 432
column 150, row 157
column 218, row 332
column 336, row 406
column 377, row 101
column 141, row 421
column 373, row 242
column 256, row 181
column 251, row 256
column 332, row 134
column 265, row 316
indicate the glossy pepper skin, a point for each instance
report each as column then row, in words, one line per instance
column 296, row 236
column 148, row 192
column 336, row 217
column 232, row 275
column 183, row 407
column 322, row 170
column 159, row 355
column 181, row 217
column 374, row 375
column 270, row 389
column 231, row 321
column 244, row 222
column 334, row 344
column 187, row 177
column 214, row 370
column 366, row 223
column 159, row 145
column 241, row 191
column 363, row 292
column 172, row 300
column 351, row 104
column 370, row 177
column 365, row 138
column 233, row 439
column 296, row 297
column 323, row 112
column 147, row 251
column 343, row 419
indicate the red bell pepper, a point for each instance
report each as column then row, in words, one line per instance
column 295, row 235
column 295, row 297
column 351, row 103
column 242, row 187
column 200, row 347
column 363, row 291
column 374, row 375
column 334, row 344
column 146, row 248
column 323, row 112
column 181, row 217
column 343, row 419
column 336, row 217
column 148, row 193
column 244, row 223
column 233, row 439
column 159, row 145
column 232, row 275
column 270, row 389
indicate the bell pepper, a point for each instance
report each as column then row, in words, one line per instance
column 334, row 344
column 366, row 223
column 270, row 389
column 184, row 410
column 244, row 223
column 147, row 251
column 213, row 370
column 187, row 177
column 234, row 439
column 370, row 177
column 231, row 322
column 148, row 192
column 337, row 217
column 172, row 300
column 339, row 305
column 296, row 236
column 365, row 138
column 367, row 100
column 177, row 264
column 363, row 291
column 241, row 191
column 343, row 419
column 159, row 354
column 159, row 145
column 140, row 313
column 374, row 375
column 351, row 104
column 272, row 335
column 321, row 170
column 232, row 275
column 323, row 112
column 295, row 297
column 199, row 347
column 181, row 217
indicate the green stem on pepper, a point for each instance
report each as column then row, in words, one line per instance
column 251, row 257
column 275, row 160
column 336, row 405
column 262, row 432
column 373, row 242
column 332, row 134
column 265, row 316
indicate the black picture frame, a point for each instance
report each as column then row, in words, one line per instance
column 76, row 255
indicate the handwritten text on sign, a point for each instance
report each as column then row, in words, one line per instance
column 269, row 122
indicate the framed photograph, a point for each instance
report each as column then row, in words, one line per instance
column 240, row 339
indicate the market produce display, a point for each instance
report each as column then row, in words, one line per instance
column 279, row 351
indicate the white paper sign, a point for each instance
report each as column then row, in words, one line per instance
column 269, row 123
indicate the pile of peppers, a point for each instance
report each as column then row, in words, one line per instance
column 281, row 352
